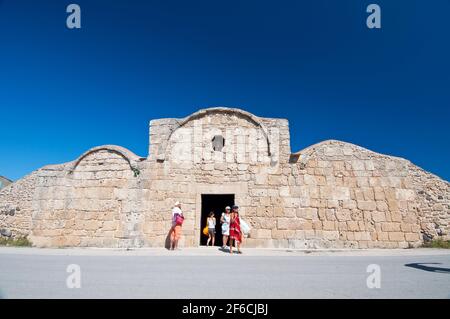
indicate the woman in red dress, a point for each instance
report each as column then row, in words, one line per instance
column 235, row 230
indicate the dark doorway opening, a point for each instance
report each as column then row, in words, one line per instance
column 214, row 203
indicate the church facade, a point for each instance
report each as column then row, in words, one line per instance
column 329, row 195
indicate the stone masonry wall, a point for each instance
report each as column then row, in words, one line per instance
column 332, row 194
column 243, row 167
column 87, row 206
column 433, row 197
column 16, row 202
column 341, row 195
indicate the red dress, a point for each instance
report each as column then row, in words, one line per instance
column 235, row 229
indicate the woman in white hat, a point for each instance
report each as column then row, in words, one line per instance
column 225, row 220
column 177, row 222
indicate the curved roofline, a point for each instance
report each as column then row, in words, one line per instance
column 122, row 151
column 204, row 112
column 222, row 109
column 312, row 148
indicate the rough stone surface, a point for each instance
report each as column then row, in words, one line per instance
column 329, row 195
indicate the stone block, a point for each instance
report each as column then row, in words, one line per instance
column 340, row 193
column 396, row 236
column 278, row 211
column 309, row 180
column 332, row 203
column 310, row 234
column 317, row 225
column 349, row 204
column 368, row 194
column 378, row 216
column 284, row 223
column 284, row 191
column 353, row 225
column 110, row 225
column 367, row 205
column 299, row 234
column 390, row 227
column 361, row 236
column 396, row 216
column 382, row 206
column 342, row 226
column 405, row 194
column 412, row 237
column 343, row 215
column 358, row 165
column 383, row 236
column 263, row 234
column 379, row 193
column 330, row 235
column 328, row 225
column 307, row 213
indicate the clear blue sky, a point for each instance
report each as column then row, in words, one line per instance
column 314, row 62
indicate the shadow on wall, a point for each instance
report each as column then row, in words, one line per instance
column 167, row 242
column 422, row 266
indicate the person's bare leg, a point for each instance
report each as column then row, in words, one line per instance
column 240, row 243
column 209, row 238
column 213, row 239
column 231, row 245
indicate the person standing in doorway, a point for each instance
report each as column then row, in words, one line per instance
column 235, row 230
column 211, row 221
column 225, row 220
column 177, row 222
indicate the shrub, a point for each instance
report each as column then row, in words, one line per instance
column 437, row 243
column 16, row 242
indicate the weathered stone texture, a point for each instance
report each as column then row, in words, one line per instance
column 332, row 194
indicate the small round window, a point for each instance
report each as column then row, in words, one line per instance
column 218, row 142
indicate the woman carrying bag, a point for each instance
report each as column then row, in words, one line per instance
column 235, row 230
column 177, row 222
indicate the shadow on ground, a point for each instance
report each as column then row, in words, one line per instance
column 423, row 266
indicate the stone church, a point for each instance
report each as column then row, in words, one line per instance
column 329, row 195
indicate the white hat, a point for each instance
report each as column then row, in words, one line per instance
column 177, row 203
column 228, row 207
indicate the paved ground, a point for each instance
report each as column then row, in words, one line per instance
column 208, row 273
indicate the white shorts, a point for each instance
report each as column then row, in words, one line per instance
column 225, row 229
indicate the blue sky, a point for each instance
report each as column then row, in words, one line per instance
column 314, row 62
